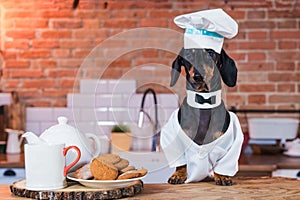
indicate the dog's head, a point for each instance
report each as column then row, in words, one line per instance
column 203, row 68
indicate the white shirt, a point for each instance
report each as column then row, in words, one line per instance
column 220, row 156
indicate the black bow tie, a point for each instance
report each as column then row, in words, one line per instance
column 200, row 99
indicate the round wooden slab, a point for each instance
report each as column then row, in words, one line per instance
column 76, row 191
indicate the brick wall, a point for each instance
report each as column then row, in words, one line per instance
column 45, row 45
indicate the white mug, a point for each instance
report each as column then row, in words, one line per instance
column 45, row 165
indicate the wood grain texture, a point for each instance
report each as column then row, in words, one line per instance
column 243, row 188
column 76, row 191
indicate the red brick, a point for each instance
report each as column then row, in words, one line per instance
column 286, row 87
column 256, row 87
column 16, row 44
column 76, row 43
column 17, row 64
column 29, row 93
column 66, row 24
column 41, row 63
column 35, row 54
column 120, row 23
column 91, row 24
column 70, row 63
column 44, row 43
column 92, row 14
column 13, row 83
column 113, row 73
column 257, row 45
column 290, row 24
column 285, row 98
column 26, row 73
column 252, row 24
column 87, row 5
column 285, row 66
column 61, row 53
column 20, row 14
column 39, row 103
column 277, row 14
column 53, row 92
column 284, row 77
column 20, row 34
column 256, row 14
column 285, row 34
column 56, row 34
column 256, row 99
column 38, row 83
column 284, row 55
column 66, row 83
column 257, row 35
column 255, row 56
column 153, row 23
column 67, row 13
column 159, row 14
column 120, row 63
column 237, row 14
column 31, row 23
column 232, row 99
column 150, row 53
column 81, row 53
column 252, row 77
column 62, row 73
column 92, row 33
column 127, row 14
column 62, row 102
column 287, row 45
column 256, row 66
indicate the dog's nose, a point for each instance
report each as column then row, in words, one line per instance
column 198, row 78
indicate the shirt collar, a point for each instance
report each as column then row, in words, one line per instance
column 192, row 99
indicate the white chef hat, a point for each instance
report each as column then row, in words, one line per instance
column 206, row 29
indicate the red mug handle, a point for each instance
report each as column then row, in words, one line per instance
column 66, row 149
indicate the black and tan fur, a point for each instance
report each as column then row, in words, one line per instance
column 205, row 69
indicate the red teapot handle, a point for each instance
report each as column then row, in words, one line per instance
column 66, row 149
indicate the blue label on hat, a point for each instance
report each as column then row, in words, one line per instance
column 193, row 31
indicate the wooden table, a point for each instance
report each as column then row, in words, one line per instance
column 243, row 188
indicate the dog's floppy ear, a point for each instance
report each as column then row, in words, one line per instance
column 228, row 70
column 176, row 70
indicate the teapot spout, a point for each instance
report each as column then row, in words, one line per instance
column 32, row 138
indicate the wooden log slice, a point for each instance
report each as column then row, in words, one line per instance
column 75, row 190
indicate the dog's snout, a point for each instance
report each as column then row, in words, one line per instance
column 201, row 87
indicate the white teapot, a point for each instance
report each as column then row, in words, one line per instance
column 64, row 133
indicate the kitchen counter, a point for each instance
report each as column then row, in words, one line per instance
column 243, row 188
column 264, row 165
column 12, row 161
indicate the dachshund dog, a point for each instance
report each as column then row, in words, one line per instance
column 205, row 69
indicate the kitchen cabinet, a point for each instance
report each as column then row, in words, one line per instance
column 265, row 165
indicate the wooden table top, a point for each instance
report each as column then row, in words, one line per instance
column 243, row 188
